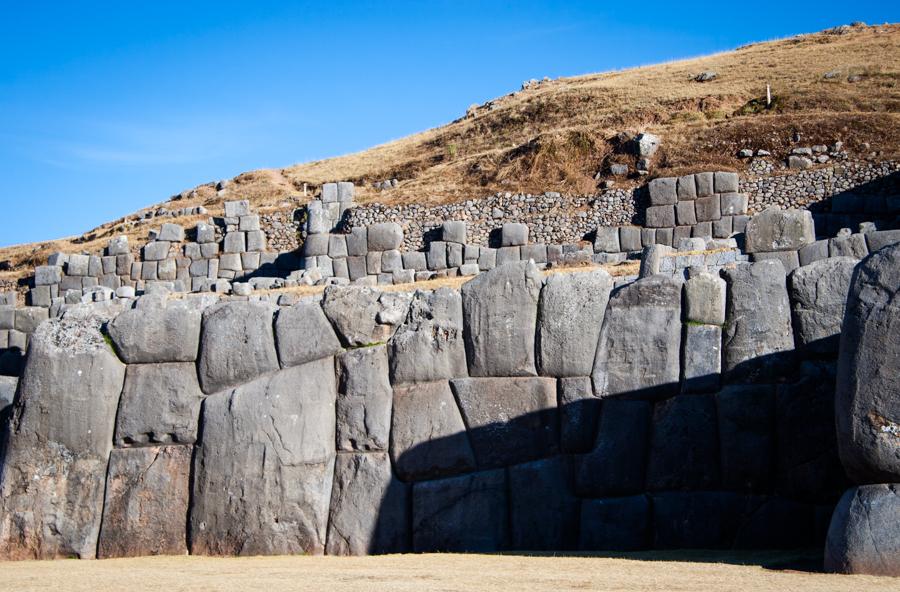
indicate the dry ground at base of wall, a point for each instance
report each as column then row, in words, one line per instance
column 669, row 571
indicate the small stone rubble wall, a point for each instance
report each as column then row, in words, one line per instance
column 522, row 412
column 560, row 219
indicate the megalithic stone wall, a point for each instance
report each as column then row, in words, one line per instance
column 864, row 536
column 526, row 412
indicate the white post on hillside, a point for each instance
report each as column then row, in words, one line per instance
column 768, row 96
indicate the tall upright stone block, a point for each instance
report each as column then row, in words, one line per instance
column 500, row 315
column 640, row 341
column 53, row 476
column 264, row 465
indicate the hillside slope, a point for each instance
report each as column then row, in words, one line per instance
column 559, row 134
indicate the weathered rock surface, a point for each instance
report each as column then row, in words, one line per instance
column 428, row 436
column 807, row 461
column 543, row 509
column 640, row 342
column 362, row 316
column 775, row 229
column 702, row 358
column 684, row 447
column 758, row 337
column 746, row 420
column 500, row 313
column 579, row 411
column 615, row 524
column 53, row 475
column 864, row 536
column 364, row 399
column 704, row 299
column 160, row 404
column 157, row 331
column 146, row 507
column 510, row 420
column 616, row 465
column 868, row 379
column 429, row 345
column 264, row 464
column 466, row 513
column 572, row 306
column 303, row 334
column 237, row 344
column 368, row 507
column 818, row 298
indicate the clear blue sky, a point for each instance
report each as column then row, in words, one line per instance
column 109, row 107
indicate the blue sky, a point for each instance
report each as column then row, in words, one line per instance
column 109, row 107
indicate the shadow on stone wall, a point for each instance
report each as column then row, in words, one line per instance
column 752, row 465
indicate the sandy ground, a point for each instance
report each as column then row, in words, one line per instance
column 419, row 573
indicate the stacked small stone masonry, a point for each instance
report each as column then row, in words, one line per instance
column 517, row 413
column 703, row 205
column 840, row 196
column 222, row 250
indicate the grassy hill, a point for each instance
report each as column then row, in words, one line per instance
column 558, row 134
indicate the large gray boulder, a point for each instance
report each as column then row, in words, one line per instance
column 864, row 536
column 500, row 314
column 461, row 514
column 146, row 506
column 368, row 507
column 264, row 465
column 868, row 380
column 510, row 420
column 572, row 306
column 640, row 342
column 775, row 229
column 364, row 399
column 160, row 404
column 237, row 344
column 61, row 433
column 157, row 331
column 429, row 345
column 428, row 436
column 758, row 337
column 818, row 298
column 362, row 316
column 303, row 334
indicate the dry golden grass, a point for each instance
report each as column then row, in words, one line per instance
column 699, row 572
column 557, row 135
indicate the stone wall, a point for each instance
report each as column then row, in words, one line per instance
column 560, row 219
column 523, row 412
